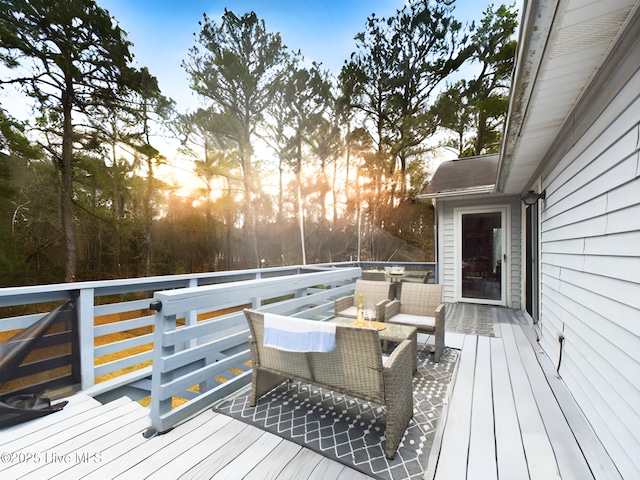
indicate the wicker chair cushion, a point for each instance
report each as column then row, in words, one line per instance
column 422, row 322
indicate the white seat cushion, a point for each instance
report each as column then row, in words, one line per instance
column 421, row 322
column 349, row 312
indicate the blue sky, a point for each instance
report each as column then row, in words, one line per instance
column 162, row 30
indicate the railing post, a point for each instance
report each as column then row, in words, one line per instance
column 86, row 337
column 158, row 377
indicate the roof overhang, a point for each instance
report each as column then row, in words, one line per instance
column 562, row 45
column 482, row 190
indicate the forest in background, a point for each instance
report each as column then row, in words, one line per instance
column 293, row 165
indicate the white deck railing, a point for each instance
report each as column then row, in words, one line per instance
column 191, row 352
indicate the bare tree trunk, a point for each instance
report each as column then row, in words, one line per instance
column 280, row 190
column 117, row 209
column 148, row 218
column 334, row 181
column 250, row 220
column 66, row 184
column 301, row 223
column 482, row 131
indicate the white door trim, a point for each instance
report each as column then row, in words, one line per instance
column 505, row 211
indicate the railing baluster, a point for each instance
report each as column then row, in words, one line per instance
column 192, row 316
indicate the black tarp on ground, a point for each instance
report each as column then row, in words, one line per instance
column 21, row 408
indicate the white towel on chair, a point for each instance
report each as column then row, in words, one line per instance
column 298, row 335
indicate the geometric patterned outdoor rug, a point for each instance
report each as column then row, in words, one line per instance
column 350, row 430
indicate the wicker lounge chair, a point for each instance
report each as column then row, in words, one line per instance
column 354, row 368
column 375, row 296
column 420, row 305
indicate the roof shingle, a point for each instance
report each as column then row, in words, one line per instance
column 464, row 174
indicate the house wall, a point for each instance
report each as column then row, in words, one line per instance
column 446, row 239
column 590, row 257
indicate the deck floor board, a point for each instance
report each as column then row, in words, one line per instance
column 541, row 461
column 250, row 458
column 223, row 451
column 507, row 417
column 503, row 419
column 271, row 467
column 184, row 454
column 570, row 459
column 511, row 461
column 87, row 443
column 482, row 445
column 117, row 462
column 455, row 441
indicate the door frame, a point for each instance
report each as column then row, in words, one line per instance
column 505, row 211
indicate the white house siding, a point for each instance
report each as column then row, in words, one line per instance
column 447, row 242
column 590, row 263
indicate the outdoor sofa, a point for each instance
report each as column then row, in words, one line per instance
column 355, row 367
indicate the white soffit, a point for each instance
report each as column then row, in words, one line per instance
column 546, row 89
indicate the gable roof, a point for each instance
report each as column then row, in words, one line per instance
column 464, row 176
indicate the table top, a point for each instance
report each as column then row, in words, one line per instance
column 393, row 332
column 395, row 277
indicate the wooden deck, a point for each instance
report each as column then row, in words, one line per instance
column 91, row 440
column 508, row 417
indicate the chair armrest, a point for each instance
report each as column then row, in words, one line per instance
column 400, row 358
column 398, row 376
column 398, row 372
column 439, row 311
column 391, row 309
column 380, row 306
column 343, row 303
